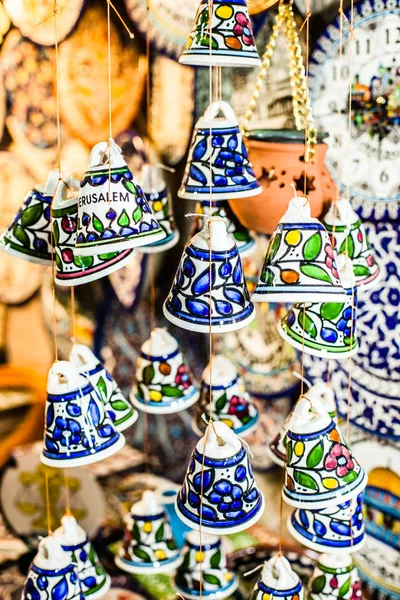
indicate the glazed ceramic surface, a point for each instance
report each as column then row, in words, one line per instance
column 278, row 580
column 333, row 577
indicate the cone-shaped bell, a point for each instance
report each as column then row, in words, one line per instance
column 278, row 580
column 188, row 303
column 300, row 263
column 117, row 407
column 232, row 42
column 113, row 213
column 163, row 379
column 148, row 546
column 219, row 470
column 78, row 430
column 333, row 578
column 95, row 582
column 320, row 469
column 232, row 173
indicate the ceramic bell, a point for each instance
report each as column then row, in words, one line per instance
column 232, row 42
column 113, row 213
column 204, row 567
column 231, row 404
column 231, row 499
column 188, row 303
column 52, row 574
column 320, row 469
column 29, row 235
column 278, row 580
column 232, row 173
column 348, row 235
column 148, row 546
column 332, row 578
column 95, row 582
column 70, row 268
column 117, row 407
column 300, row 263
column 336, row 529
column 325, row 329
column 163, row 379
column 276, row 449
column 78, row 430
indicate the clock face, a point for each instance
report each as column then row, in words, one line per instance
column 371, row 167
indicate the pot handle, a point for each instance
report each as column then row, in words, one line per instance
column 81, row 356
column 103, row 152
column 62, row 368
column 220, row 105
column 51, row 183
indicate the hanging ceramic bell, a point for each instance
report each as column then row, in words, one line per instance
column 332, row 578
column 320, row 469
column 29, row 235
column 72, row 269
column 160, row 202
column 95, row 582
column 204, row 567
column 148, row 546
column 325, row 329
column 78, row 430
column 278, row 580
column 163, row 379
column 120, row 410
column 336, row 529
column 300, row 263
column 232, row 42
column 232, row 173
column 113, row 213
column 231, row 500
column 52, row 574
column 188, row 303
column 348, row 235
column 231, row 404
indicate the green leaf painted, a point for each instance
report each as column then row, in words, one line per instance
column 215, row 560
column 267, row 276
column 171, row 391
column 59, row 262
column 331, row 310
column 160, row 533
column 211, row 579
column 344, row 588
column 139, row 391
column 97, row 224
column 92, row 555
column 107, row 256
column 315, row 456
column 220, row 403
column 171, row 545
column 21, row 235
column 318, row 584
column 141, row 554
column 83, row 262
column 315, row 272
column 118, row 405
column 350, row 477
column 56, row 232
column 185, row 563
column 136, row 532
column 137, row 214
column 289, row 452
column 307, row 324
column 305, row 480
column 102, row 387
column 129, row 186
column 273, row 247
column 360, row 270
column 312, row 247
column 99, row 570
column 241, row 236
column 148, row 374
column 205, row 41
column 31, row 215
column 123, row 219
column 347, row 246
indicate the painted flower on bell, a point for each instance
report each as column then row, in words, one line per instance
column 345, row 322
column 243, row 30
column 238, row 407
column 330, row 261
column 229, row 498
column 339, row 460
column 356, row 593
column 182, row 377
column 67, row 431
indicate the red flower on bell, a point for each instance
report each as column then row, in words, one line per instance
column 243, row 29
column 339, row 460
column 182, row 377
column 356, row 593
column 330, row 261
column 238, row 407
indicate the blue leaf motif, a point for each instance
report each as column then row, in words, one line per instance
column 50, row 445
column 94, row 413
column 194, row 500
column 238, row 273
column 225, row 269
column 304, row 519
column 188, row 267
column 197, row 175
column 200, row 149
column 201, row 285
column 60, row 591
column 209, row 513
column 207, row 480
column 319, row 528
column 49, row 415
column 198, row 307
column 89, row 582
column 340, row 528
column 232, row 142
column 223, row 308
column 234, row 295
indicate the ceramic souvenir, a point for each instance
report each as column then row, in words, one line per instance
column 160, row 202
column 232, row 42
column 231, row 500
column 113, row 213
column 276, row 449
column 117, row 407
column 95, row 582
column 163, row 379
column 232, row 173
column 78, row 430
column 320, row 469
column 70, row 268
column 332, row 578
column 188, row 303
column 204, row 561
column 148, row 546
column 325, row 329
column 52, row 574
column 300, row 262
column 278, row 580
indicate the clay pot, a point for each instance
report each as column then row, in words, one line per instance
column 278, row 162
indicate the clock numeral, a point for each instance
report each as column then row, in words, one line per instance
column 335, row 72
column 366, row 47
column 384, row 177
column 390, row 34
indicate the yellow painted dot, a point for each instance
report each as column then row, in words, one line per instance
column 155, row 396
column 293, row 238
column 147, row 527
column 157, row 205
column 298, row 448
column 329, row 483
column 228, row 576
column 266, row 596
column 199, row 556
column 160, row 554
column 224, row 11
column 227, row 422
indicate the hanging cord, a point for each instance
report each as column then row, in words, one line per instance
column 306, row 23
column 47, row 493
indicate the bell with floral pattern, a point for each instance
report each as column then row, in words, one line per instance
column 219, row 485
column 218, row 155
column 278, row 580
column 113, row 213
column 333, row 578
column 188, row 304
column 164, row 382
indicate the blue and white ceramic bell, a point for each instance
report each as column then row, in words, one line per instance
column 188, row 303
column 278, row 580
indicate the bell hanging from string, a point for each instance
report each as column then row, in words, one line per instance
column 278, row 580
column 334, row 577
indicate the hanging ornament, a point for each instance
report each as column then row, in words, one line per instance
column 232, row 173
column 72, row 269
column 219, row 470
column 113, row 213
column 278, row 580
column 95, row 582
column 148, row 546
column 326, row 329
column 231, row 404
column 204, row 567
column 300, row 262
column 78, row 430
column 117, row 407
column 188, row 303
column 163, row 379
column 160, row 202
column 320, row 468
column 348, row 235
column 232, row 42
column 332, row 578
column 52, row 574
